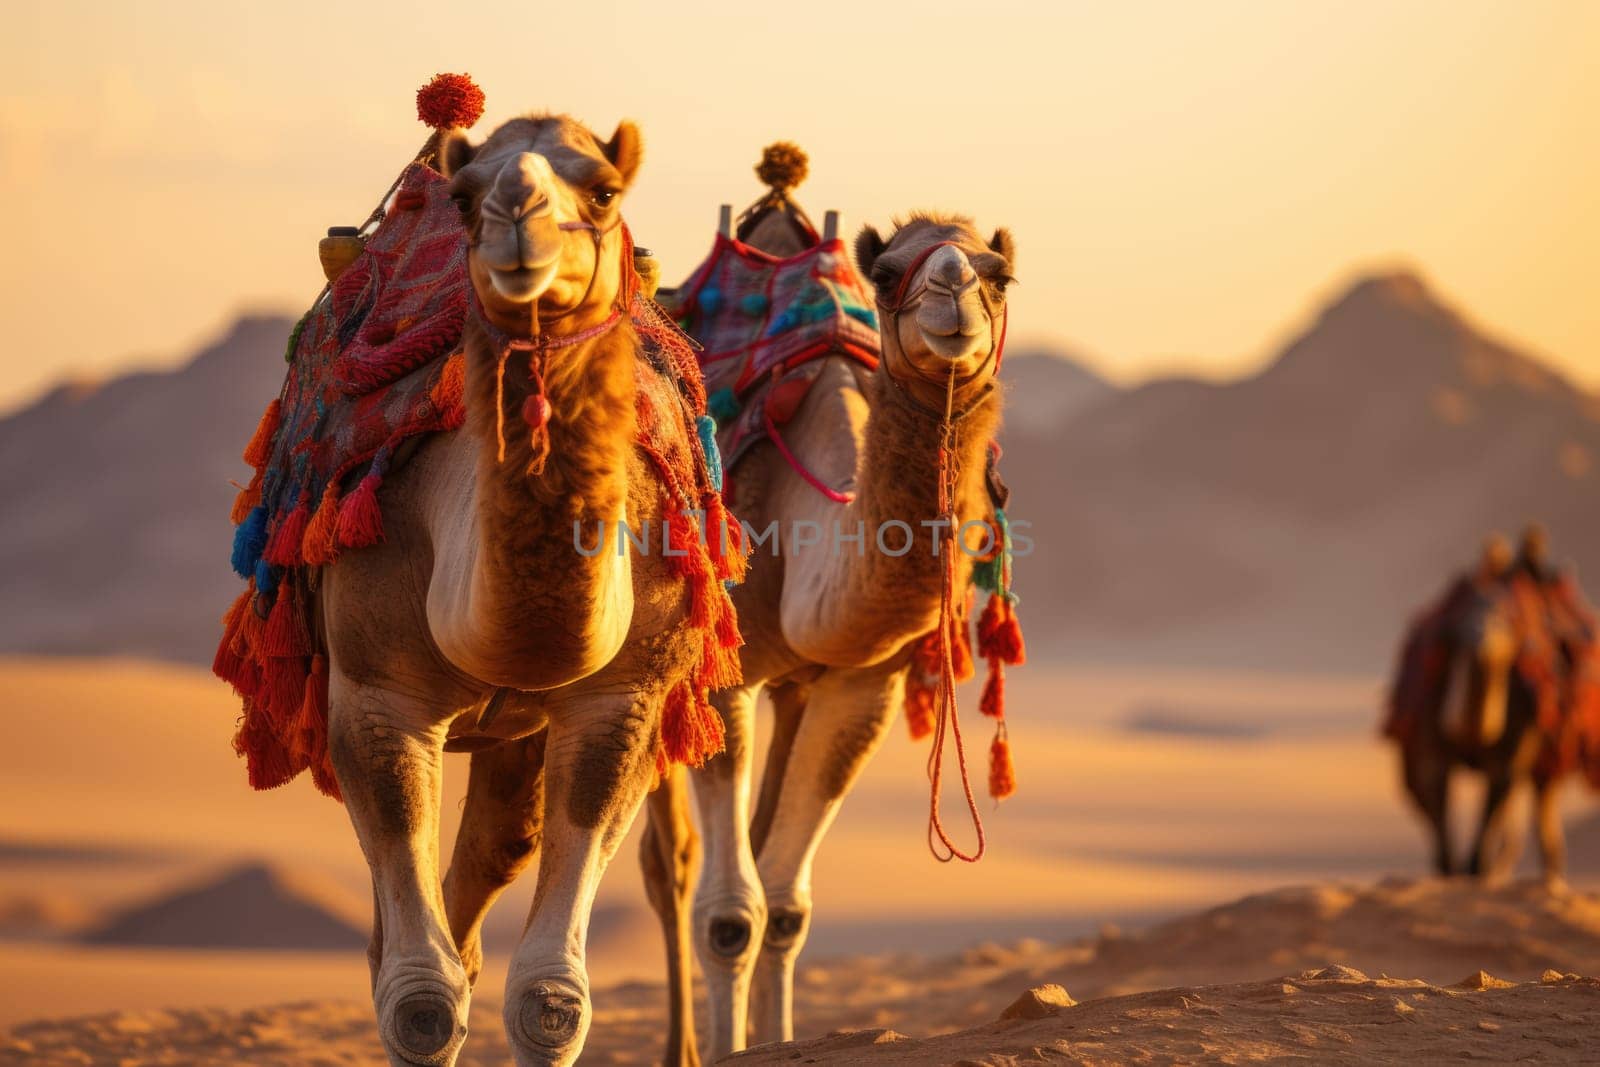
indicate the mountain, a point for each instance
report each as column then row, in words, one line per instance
column 1295, row 518
column 1044, row 388
column 115, row 536
column 254, row 906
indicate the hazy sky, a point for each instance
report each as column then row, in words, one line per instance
column 1185, row 180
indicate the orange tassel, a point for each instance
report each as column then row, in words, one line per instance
column 961, row 648
column 449, row 392
column 993, row 701
column 724, row 540
column 925, row 656
column 691, row 729
column 919, row 707
column 686, row 558
column 259, row 450
column 360, row 518
column 1002, row 774
column 228, row 664
column 247, row 499
column 252, row 625
column 321, row 541
column 283, row 550
column 286, row 633
column 1000, row 634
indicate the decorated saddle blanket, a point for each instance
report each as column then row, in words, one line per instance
column 377, row 361
column 763, row 322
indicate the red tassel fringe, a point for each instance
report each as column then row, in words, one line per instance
column 259, row 450
column 919, row 706
column 286, row 634
column 360, row 518
column 283, row 550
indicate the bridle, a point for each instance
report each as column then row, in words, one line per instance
column 945, row 717
column 536, row 408
column 907, row 299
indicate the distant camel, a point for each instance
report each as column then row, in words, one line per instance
column 1485, row 683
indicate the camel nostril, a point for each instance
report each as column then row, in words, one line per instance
column 729, row 937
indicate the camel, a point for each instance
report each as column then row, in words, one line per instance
column 1502, row 698
column 827, row 633
column 477, row 623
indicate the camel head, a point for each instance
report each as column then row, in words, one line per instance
column 941, row 298
column 1485, row 639
column 541, row 200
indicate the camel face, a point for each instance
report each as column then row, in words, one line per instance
column 541, row 199
column 1474, row 708
column 948, row 315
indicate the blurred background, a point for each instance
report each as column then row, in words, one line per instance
column 1305, row 310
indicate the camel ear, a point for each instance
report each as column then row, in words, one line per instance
column 625, row 150
column 455, row 151
column 869, row 246
column 1002, row 243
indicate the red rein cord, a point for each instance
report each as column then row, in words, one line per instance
column 946, row 717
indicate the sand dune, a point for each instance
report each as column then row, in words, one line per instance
column 1271, row 976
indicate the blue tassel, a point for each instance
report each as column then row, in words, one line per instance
column 708, row 443
column 249, row 541
column 709, row 300
column 723, row 405
column 266, row 578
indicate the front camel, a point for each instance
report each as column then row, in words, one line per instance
column 495, row 604
column 853, row 441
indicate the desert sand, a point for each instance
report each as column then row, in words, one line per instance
column 1147, row 799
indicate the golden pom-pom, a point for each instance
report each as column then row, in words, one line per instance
column 782, row 166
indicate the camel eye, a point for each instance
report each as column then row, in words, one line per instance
column 463, row 204
column 602, row 197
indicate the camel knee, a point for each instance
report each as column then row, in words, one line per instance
column 787, row 927
column 422, row 1014
column 547, row 1019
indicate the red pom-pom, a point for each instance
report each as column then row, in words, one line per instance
column 449, row 100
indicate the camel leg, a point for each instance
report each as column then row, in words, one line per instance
column 1427, row 779
column 1489, row 849
column 730, row 912
column 500, row 829
column 788, row 705
column 669, row 855
column 1552, row 839
column 599, row 763
column 846, row 718
column 387, row 752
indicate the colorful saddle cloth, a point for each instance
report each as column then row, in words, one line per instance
column 763, row 322
column 376, row 361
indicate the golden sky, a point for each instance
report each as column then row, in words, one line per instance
column 1184, row 179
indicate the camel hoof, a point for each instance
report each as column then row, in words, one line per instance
column 549, row 1016
column 426, row 1028
column 729, row 937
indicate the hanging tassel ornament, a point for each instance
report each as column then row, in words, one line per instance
column 259, row 450
column 1002, row 773
column 320, row 544
column 360, row 518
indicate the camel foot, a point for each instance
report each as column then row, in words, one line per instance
column 547, row 1023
